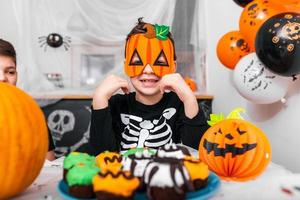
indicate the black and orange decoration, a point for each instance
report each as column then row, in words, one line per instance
column 278, row 44
column 253, row 16
column 231, row 48
column 153, row 46
column 234, row 148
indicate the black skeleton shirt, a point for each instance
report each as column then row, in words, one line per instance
column 127, row 123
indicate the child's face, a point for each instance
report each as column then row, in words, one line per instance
column 147, row 83
column 8, row 70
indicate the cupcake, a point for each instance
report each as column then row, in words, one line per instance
column 136, row 162
column 109, row 160
column 80, row 180
column 110, row 185
column 198, row 171
column 75, row 158
column 172, row 151
column 167, row 178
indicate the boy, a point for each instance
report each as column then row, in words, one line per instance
column 8, row 74
column 162, row 110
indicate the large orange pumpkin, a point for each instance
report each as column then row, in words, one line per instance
column 235, row 149
column 23, row 140
column 142, row 49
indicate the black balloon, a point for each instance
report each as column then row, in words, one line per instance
column 277, row 44
column 242, row 3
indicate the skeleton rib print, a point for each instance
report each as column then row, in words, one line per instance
column 146, row 133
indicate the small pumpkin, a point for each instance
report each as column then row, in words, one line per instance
column 191, row 83
column 234, row 148
column 154, row 47
column 24, row 140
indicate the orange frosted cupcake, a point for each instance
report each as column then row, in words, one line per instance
column 109, row 161
column 197, row 170
column 110, row 185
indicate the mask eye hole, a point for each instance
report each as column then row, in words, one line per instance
column 161, row 60
column 136, row 59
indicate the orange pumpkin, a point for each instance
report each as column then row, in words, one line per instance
column 24, row 140
column 142, row 49
column 231, row 48
column 235, row 150
column 191, row 83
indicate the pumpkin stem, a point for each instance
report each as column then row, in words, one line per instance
column 150, row 31
column 234, row 114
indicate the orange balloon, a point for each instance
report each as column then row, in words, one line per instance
column 235, row 150
column 288, row 5
column 254, row 15
column 231, row 48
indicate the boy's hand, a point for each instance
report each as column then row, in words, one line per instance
column 107, row 88
column 176, row 83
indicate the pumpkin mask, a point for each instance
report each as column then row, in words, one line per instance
column 154, row 48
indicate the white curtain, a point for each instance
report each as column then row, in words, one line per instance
column 95, row 22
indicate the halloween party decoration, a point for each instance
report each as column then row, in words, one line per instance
column 234, row 149
column 24, row 142
column 191, row 83
column 258, row 84
column 278, row 44
column 54, row 40
column 231, row 48
column 150, row 45
column 242, row 3
column 253, row 16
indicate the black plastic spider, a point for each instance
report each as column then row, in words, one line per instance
column 54, row 40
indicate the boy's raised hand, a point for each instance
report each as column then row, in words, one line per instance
column 176, row 83
column 107, row 88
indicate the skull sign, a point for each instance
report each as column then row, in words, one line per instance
column 60, row 122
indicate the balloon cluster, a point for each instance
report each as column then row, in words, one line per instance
column 265, row 51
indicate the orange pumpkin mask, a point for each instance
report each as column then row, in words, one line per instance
column 154, row 48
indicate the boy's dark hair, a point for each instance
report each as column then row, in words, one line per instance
column 140, row 28
column 7, row 49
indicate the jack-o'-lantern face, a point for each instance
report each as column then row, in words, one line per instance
column 235, row 149
column 242, row 44
column 291, row 30
column 142, row 51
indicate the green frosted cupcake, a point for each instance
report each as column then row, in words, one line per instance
column 75, row 158
column 80, row 180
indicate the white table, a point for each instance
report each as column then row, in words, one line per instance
column 267, row 186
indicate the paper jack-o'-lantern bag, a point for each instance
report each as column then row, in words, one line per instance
column 234, row 148
column 154, row 47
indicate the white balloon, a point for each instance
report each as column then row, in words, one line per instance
column 258, row 84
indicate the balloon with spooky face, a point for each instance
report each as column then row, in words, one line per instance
column 231, row 48
column 253, row 16
column 154, row 48
column 235, row 150
column 278, row 44
column 258, row 84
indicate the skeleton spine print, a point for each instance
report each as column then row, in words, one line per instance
column 146, row 133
